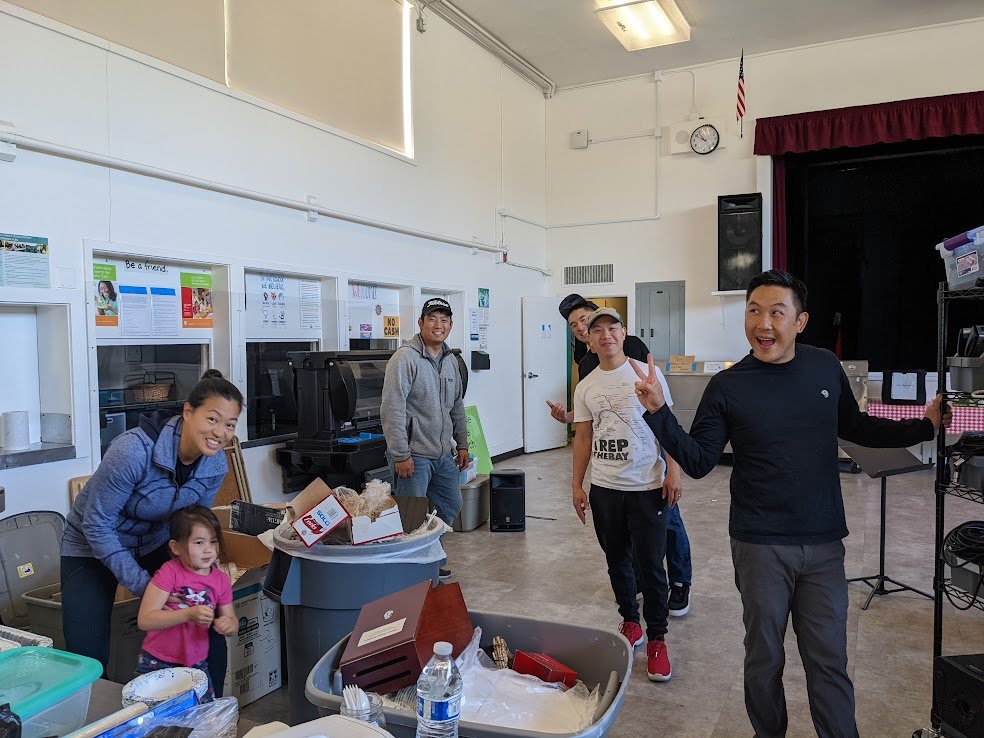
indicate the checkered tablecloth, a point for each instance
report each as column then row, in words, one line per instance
column 964, row 418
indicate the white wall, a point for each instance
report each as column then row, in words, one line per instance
column 616, row 180
column 73, row 90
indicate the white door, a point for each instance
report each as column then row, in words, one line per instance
column 544, row 372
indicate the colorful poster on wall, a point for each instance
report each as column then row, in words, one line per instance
column 107, row 299
column 365, row 330
column 23, row 261
column 196, row 300
column 477, row 445
column 274, row 306
column 391, row 326
column 484, row 298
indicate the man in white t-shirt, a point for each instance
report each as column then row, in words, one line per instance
column 627, row 498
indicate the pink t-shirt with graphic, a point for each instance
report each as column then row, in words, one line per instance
column 186, row 644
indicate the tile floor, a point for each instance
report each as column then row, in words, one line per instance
column 556, row 570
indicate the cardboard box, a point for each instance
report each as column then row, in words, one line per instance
column 544, row 667
column 320, row 520
column 245, row 517
column 254, row 668
column 394, row 636
column 318, row 512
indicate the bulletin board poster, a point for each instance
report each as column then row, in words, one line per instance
column 141, row 298
column 23, row 261
column 196, row 300
column 282, row 306
column 107, row 300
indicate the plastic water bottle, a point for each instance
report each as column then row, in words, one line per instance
column 439, row 695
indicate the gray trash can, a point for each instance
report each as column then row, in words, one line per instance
column 593, row 653
column 322, row 600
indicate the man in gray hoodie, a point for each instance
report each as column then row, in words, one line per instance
column 422, row 411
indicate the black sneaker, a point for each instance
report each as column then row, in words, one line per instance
column 444, row 574
column 679, row 599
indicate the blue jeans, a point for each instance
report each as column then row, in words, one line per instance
column 435, row 479
column 678, row 567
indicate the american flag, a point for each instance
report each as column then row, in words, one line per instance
column 740, row 109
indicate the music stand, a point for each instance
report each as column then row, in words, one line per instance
column 882, row 463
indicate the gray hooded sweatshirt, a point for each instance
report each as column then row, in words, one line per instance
column 422, row 407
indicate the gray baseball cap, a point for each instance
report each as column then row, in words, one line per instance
column 610, row 312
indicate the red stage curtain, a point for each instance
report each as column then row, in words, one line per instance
column 864, row 125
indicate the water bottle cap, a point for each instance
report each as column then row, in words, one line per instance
column 442, row 648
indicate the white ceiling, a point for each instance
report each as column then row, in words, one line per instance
column 564, row 40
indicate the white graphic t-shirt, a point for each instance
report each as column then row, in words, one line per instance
column 625, row 454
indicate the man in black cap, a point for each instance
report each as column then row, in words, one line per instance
column 576, row 310
column 423, row 415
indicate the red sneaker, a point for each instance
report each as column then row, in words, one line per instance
column 658, row 662
column 632, row 632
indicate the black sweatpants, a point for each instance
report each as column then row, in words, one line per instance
column 627, row 523
column 88, row 591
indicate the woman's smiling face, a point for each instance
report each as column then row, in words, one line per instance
column 208, row 428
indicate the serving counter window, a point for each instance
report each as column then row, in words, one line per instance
column 142, row 378
column 270, row 406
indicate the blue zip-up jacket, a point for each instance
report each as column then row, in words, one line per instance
column 123, row 510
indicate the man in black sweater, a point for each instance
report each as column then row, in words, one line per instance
column 782, row 408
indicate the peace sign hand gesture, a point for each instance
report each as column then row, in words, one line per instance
column 648, row 389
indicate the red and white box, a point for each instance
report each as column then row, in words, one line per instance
column 320, row 520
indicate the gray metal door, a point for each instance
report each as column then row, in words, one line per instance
column 659, row 317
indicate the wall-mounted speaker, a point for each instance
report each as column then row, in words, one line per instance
column 739, row 240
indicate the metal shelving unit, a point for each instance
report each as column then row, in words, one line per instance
column 943, row 589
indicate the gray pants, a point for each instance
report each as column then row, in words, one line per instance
column 809, row 583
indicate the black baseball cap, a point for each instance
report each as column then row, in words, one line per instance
column 434, row 304
column 571, row 303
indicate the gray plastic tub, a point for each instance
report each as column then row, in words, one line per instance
column 322, row 601
column 593, row 653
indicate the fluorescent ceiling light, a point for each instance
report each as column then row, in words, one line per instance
column 642, row 24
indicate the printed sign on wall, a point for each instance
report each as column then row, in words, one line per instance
column 107, row 299
column 391, row 326
column 196, row 300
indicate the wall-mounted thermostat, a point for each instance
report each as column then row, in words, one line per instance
column 579, row 139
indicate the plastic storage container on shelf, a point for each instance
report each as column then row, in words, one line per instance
column 322, row 590
column 47, row 688
column 964, row 263
column 966, row 373
column 592, row 652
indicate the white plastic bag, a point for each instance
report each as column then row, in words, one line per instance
column 505, row 698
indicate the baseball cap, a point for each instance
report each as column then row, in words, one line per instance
column 610, row 312
column 571, row 303
column 434, row 304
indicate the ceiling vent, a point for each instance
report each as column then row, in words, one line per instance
column 590, row 274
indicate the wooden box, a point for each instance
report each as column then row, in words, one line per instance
column 394, row 636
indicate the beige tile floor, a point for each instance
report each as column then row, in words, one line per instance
column 555, row 570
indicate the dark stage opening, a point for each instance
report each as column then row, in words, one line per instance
column 862, row 224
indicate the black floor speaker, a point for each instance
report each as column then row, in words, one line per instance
column 739, row 240
column 959, row 686
column 507, row 490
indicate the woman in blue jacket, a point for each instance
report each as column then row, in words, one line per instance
column 117, row 530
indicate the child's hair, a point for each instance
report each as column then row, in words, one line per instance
column 184, row 520
column 213, row 384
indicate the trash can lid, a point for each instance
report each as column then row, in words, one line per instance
column 30, row 557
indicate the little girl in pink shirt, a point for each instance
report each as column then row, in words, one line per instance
column 187, row 596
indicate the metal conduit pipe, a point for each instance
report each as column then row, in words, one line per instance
column 464, row 23
column 89, row 157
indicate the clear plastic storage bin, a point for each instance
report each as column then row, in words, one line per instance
column 964, row 264
column 47, row 688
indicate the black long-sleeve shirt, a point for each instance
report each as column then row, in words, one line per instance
column 783, row 421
